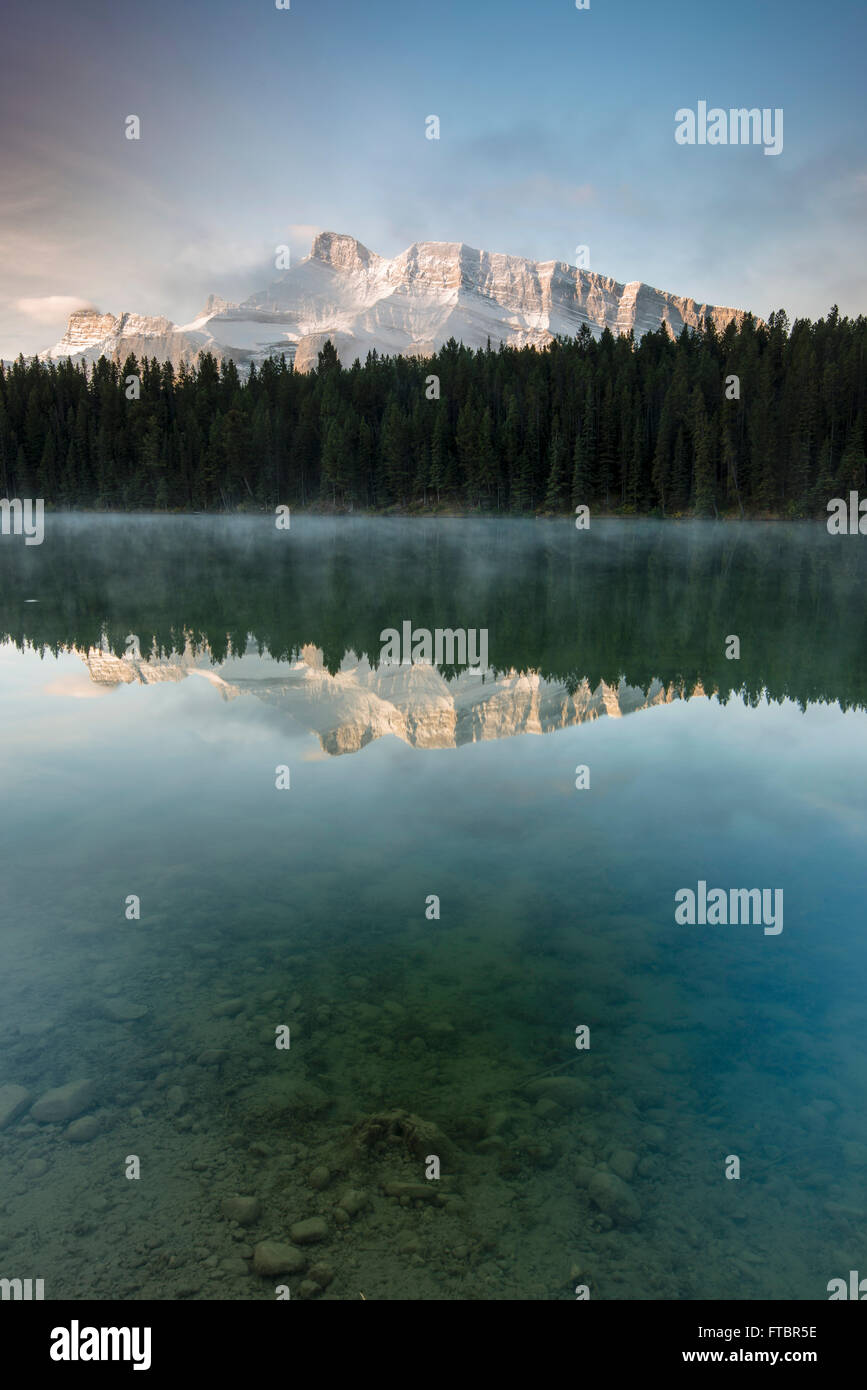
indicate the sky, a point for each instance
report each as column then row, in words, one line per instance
column 260, row 127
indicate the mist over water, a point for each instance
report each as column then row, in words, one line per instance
column 148, row 769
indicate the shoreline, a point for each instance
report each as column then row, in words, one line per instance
column 442, row 514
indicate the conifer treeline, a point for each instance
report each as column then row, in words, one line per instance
column 611, row 423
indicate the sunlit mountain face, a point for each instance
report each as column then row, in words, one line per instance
column 415, row 703
column 411, row 305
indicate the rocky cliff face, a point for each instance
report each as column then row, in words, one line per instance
column 91, row 335
column 414, row 703
column 414, row 303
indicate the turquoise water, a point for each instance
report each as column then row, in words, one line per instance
column 154, row 775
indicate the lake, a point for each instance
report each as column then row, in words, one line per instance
column 436, row 968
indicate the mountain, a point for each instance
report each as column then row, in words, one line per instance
column 412, row 304
column 414, row 703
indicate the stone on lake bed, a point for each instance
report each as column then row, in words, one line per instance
column 213, row 1057
column 228, row 1008
column 123, row 1011
column 566, row 1090
column 412, row 1191
column 623, row 1162
column 176, row 1099
column 276, row 1257
column 352, row 1201
column 13, row 1099
column 82, row 1130
column 244, row 1210
column 614, row 1198
column 63, row 1102
column 309, row 1231
column 495, row 1143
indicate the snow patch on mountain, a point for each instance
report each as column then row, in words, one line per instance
column 410, row 304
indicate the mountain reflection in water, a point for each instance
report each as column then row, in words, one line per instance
column 415, row 703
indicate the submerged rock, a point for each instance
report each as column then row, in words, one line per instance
column 276, row 1098
column 309, row 1231
column 213, row 1057
column 498, row 1122
column 614, row 1198
column 13, row 1099
column 122, row 1011
column 321, row 1274
column 276, row 1257
column 81, row 1131
column 391, row 1130
column 583, row 1173
column 352, row 1201
column 228, row 1008
column 63, row 1102
column 568, row 1091
column 623, row 1162
column 412, row 1191
column 494, row 1144
column 244, row 1210
column 176, row 1099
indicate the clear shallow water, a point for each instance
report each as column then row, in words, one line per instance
column 306, row 907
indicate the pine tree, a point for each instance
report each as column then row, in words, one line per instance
column 467, row 441
column 394, row 453
column 510, row 444
column 555, row 493
column 705, row 483
column 439, row 452
column 333, row 464
column 584, row 480
column 634, row 474
column 487, row 472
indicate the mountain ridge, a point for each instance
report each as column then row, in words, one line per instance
column 410, row 304
column 360, row 703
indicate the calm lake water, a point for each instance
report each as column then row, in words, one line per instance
column 155, row 675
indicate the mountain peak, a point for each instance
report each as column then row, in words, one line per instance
column 410, row 303
column 341, row 251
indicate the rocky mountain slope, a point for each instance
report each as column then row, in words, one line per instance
column 411, row 304
column 414, row 703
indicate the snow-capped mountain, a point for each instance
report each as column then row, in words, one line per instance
column 414, row 703
column 412, row 304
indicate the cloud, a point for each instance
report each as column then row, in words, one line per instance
column 77, row 685
column 51, row 308
column 303, row 231
column 213, row 256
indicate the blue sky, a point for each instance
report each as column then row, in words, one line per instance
column 261, row 126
